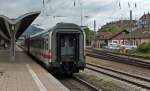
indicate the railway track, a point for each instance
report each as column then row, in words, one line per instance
column 137, row 80
column 77, row 84
column 73, row 83
column 110, row 57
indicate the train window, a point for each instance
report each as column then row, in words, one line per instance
column 46, row 44
column 62, row 42
column 42, row 44
column 39, row 43
column 71, row 40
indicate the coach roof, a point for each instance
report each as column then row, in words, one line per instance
column 59, row 26
column 66, row 25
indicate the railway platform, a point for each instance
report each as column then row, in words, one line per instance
column 24, row 74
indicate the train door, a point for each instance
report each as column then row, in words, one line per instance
column 68, row 47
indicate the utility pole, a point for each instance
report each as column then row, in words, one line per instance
column 43, row 4
column 94, row 25
column 130, row 27
column 94, row 33
column 131, row 19
column 131, row 23
column 81, row 13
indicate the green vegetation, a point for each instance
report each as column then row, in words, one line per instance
column 90, row 35
column 93, row 60
column 103, row 44
column 142, row 55
column 115, row 27
column 144, row 48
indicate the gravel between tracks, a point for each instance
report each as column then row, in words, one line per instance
column 73, row 84
column 111, row 84
column 121, row 76
column 124, row 67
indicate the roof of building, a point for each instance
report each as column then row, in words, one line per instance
column 140, row 33
column 19, row 24
column 108, row 35
column 145, row 17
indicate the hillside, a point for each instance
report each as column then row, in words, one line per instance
column 114, row 27
column 117, row 25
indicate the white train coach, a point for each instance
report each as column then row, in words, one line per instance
column 61, row 48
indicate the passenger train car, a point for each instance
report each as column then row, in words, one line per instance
column 61, row 48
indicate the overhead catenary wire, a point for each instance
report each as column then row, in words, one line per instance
column 50, row 10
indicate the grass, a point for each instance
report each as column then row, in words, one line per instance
column 99, row 82
column 92, row 60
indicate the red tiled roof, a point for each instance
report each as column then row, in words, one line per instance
column 140, row 33
column 108, row 35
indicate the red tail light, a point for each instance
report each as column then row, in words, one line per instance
column 50, row 53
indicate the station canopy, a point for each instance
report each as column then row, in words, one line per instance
column 18, row 25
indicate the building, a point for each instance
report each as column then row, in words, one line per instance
column 138, row 37
column 145, row 20
column 141, row 34
column 110, row 37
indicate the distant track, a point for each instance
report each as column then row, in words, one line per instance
column 110, row 57
column 123, row 76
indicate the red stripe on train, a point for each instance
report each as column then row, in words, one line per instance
column 44, row 55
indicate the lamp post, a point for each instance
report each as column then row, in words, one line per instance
column 13, row 40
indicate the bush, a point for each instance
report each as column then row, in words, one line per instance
column 102, row 45
column 144, row 47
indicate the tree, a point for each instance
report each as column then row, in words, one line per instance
column 90, row 36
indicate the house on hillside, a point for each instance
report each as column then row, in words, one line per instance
column 145, row 20
column 110, row 37
column 138, row 37
column 140, row 34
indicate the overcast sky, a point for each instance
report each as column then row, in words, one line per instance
column 102, row 11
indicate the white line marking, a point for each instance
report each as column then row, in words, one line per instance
column 40, row 85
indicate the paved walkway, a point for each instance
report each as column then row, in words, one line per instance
column 25, row 75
